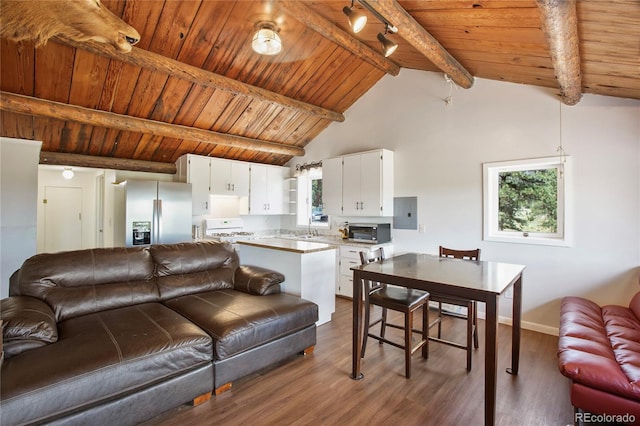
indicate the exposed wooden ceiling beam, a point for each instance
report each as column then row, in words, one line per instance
column 153, row 61
column 78, row 160
column 560, row 26
column 410, row 30
column 333, row 33
column 43, row 108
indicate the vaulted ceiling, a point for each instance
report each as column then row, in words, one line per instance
column 193, row 84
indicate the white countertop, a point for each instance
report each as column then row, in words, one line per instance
column 288, row 244
column 333, row 240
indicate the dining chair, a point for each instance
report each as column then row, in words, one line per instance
column 399, row 299
column 471, row 314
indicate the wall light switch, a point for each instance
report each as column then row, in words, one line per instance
column 421, row 228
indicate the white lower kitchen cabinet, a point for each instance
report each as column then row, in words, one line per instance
column 349, row 257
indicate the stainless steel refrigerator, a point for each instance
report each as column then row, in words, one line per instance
column 157, row 212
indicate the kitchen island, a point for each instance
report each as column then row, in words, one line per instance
column 309, row 268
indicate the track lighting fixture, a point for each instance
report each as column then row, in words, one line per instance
column 357, row 20
column 266, row 40
column 388, row 46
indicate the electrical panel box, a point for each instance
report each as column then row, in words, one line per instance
column 405, row 213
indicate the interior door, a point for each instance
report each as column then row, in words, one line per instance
column 62, row 218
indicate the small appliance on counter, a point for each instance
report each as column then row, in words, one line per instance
column 344, row 230
column 374, row 233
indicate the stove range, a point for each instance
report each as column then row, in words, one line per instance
column 226, row 230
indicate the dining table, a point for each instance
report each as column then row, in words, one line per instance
column 482, row 281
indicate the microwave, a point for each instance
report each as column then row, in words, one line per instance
column 375, row 233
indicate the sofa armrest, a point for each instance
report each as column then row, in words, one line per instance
column 27, row 323
column 257, row 280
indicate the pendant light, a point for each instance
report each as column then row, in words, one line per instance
column 357, row 20
column 266, row 40
column 388, row 46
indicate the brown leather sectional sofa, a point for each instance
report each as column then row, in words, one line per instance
column 119, row 335
column 599, row 350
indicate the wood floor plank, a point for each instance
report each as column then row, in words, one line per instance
column 316, row 389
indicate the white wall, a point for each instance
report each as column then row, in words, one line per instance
column 439, row 151
column 18, row 183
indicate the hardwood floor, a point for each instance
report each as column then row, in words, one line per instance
column 317, row 390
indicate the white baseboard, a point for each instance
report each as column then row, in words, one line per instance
column 527, row 325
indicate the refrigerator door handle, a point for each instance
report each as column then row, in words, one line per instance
column 158, row 226
column 154, row 222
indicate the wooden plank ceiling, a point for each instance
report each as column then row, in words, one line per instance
column 194, row 67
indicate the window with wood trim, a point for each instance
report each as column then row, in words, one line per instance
column 527, row 201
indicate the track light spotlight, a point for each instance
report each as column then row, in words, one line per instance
column 388, row 46
column 357, row 20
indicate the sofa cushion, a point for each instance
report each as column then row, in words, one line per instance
column 85, row 281
column 188, row 268
column 257, row 280
column 600, row 347
column 99, row 357
column 238, row 321
column 27, row 323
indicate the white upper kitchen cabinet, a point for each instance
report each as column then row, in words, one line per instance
column 195, row 169
column 367, row 184
column 332, row 186
column 229, row 177
column 267, row 190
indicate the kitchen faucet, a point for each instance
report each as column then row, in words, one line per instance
column 310, row 232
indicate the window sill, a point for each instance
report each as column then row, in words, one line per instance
column 557, row 242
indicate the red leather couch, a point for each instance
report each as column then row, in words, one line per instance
column 599, row 350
